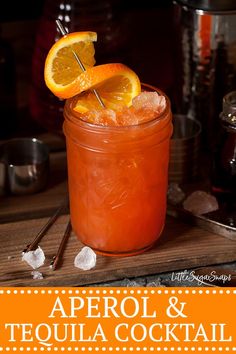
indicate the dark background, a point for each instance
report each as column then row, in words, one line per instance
column 141, row 36
column 28, row 9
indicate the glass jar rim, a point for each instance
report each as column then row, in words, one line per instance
column 78, row 120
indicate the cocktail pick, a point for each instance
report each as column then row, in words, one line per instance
column 57, row 258
column 63, row 32
column 46, row 227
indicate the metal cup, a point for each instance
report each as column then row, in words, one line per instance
column 184, row 149
column 24, row 166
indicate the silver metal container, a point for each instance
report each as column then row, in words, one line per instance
column 206, row 59
column 24, row 166
column 184, row 149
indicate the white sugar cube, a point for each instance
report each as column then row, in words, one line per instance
column 34, row 258
column 85, row 259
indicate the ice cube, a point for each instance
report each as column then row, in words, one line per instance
column 200, row 202
column 36, row 275
column 144, row 115
column 144, row 107
column 105, row 117
column 149, row 100
column 127, row 116
column 34, row 258
column 175, row 194
column 85, row 259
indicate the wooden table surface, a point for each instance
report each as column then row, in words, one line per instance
column 181, row 246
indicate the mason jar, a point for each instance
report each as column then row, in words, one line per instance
column 118, row 178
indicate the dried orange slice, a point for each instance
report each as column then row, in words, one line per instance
column 116, row 84
column 61, row 68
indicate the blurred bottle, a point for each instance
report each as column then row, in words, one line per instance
column 7, row 90
column 224, row 162
column 205, row 60
column 76, row 15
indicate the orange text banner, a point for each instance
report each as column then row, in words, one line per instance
column 117, row 319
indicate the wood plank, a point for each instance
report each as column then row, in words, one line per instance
column 14, row 208
column 180, row 247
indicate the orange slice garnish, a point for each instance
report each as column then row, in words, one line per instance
column 61, row 68
column 116, row 84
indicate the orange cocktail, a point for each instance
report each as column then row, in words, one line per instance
column 117, row 181
column 117, row 148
